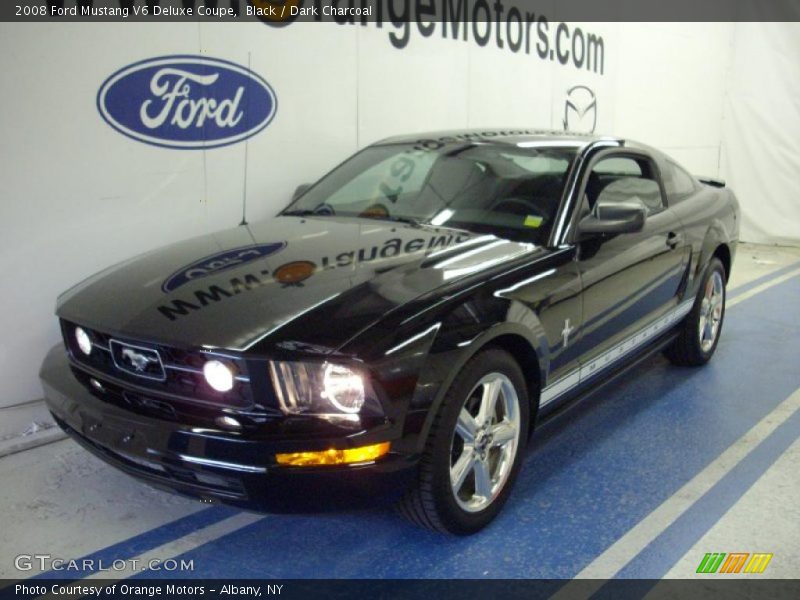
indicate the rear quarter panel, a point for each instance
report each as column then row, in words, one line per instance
column 710, row 218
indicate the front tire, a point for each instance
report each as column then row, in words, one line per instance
column 699, row 335
column 475, row 447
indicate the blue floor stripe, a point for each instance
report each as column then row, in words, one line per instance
column 145, row 541
column 663, row 552
column 585, row 483
column 763, row 279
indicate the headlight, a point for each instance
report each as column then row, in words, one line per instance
column 218, row 375
column 321, row 389
column 84, row 341
column 343, row 387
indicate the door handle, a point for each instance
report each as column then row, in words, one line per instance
column 673, row 239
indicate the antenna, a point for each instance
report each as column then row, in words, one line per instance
column 246, row 142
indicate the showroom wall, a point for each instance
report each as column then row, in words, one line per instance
column 760, row 149
column 78, row 195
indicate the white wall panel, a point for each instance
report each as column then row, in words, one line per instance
column 420, row 88
column 507, row 89
column 761, row 137
column 76, row 195
column 671, row 80
column 312, row 70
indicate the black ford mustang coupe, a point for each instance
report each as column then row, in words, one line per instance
column 397, row 331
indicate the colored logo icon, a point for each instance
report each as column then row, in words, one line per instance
column 734, row 562
column 187, row 102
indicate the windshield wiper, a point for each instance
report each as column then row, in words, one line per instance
column 408, row 220
column 305, row 212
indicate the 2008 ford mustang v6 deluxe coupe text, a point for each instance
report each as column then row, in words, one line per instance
column 399, row 329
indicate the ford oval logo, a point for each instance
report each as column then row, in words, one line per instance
column 221, row 261
column 187, row 102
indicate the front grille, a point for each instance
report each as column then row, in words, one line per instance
column 171, row 371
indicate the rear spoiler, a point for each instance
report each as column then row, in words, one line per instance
column 712, row 181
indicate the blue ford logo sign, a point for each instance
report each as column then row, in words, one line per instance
column 187, row 102
column 221, row 261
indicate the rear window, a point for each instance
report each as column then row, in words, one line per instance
column 677, row 182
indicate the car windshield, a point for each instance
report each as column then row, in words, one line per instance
column 510, row 191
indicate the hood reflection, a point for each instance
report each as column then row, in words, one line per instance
column 239, row 287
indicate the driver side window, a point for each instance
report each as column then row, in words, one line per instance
column 617, row 179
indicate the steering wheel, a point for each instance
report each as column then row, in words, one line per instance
column 521, row 206
column 324, row 209
column 515, row 206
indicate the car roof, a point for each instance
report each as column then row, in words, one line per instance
column 511, row 136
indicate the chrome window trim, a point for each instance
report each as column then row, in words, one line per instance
column 562, row 225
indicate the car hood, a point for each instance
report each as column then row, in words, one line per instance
column 303, row 283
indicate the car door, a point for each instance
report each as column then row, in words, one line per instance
column 631, row 282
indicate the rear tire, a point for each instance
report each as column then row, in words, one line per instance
column 702, row 327
column 475, row 448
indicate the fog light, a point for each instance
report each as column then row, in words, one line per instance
column 218, row 375
column 334, row 457
column 84, row 341
column 228, row 422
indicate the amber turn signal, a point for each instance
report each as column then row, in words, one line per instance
column 334, row 457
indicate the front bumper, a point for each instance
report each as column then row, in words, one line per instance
column 208, row 464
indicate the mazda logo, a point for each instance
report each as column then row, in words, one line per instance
column 580, row 110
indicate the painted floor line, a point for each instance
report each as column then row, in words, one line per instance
column 619, row 554
column 760, row 288
column 185, row 544
column 625, row 549
column 147, row 540
column 655, row 561
column 753, row 283
column 172, row 549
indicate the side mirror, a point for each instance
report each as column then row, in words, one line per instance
column 610, row 218
column 301, row 189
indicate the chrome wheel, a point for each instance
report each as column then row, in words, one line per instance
column 485, row 442
column 711, row 308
